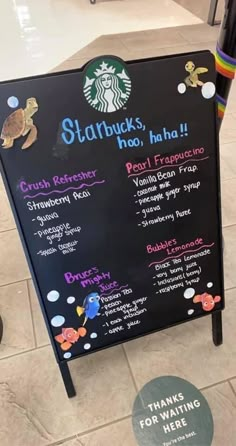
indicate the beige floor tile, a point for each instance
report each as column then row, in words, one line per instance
column 117, row 434
column 41, row 333
column 222, row 401
column 12, row 259
column 181, row 350
column 200, row 33
column 6, row 217
column 231, row 106
column 79, row 62
column 16, row 315
column 70, row 64
column 151, row 52
column 228, row 161
column 229, row 256
column 33, row 396
column 137, row 53
column 132, row 46
column 228, row 193
column 157, row 52
column 193, row 47
column 100, row 46
column 73, row 442
column 200, row 8
column 147, row 40
column 19, row 424
column 228, row 129
column 233, row 383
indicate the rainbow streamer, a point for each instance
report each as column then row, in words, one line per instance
column 221, row 104
column 225, row 64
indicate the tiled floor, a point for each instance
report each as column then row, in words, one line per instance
column 159, row 42
column 201, row 8
column 40, row 34
column 34, row 409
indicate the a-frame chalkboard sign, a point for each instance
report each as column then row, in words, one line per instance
column 112, row 172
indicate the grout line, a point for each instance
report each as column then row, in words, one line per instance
column 217, row 384
column 16, row 281
column 89, row 431
column 110, row 423
column 130, row 368
column 31, row 312
column 225, row 143
column 64, row 440
column 170, row 47
column 228, row 226
column 228, row 179
column 230, row 289
column 231, row 141
column 232, row 387
column 211, row 41
column 25, row 352
column 8, row 230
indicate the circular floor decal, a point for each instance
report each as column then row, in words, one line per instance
column 170, row 411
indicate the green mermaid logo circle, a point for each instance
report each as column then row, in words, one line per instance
column 107, row 85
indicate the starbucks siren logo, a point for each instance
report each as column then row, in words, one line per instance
column 107, row 85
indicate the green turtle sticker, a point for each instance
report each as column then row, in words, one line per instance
column 107, row 85
column 170, row 411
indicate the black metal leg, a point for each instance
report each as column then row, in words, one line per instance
column 66, row 376
column 217, row 331
column 1, row 328
column 212, row 12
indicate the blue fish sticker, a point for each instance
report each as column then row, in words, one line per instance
column 90, row 308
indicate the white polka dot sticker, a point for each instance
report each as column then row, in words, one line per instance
column 70, row 300
column 57, row 321
column 189, row 293
column 190, row 312
column 53, row 296
column 209, row 285
column 93, row 335
column 181, row 88
column 208, row 90
column 13, row 102
column 67, row 355
column 87, row 346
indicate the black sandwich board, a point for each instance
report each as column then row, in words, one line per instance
column 112, row 172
